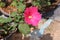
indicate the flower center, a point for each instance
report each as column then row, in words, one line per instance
column 30, row 16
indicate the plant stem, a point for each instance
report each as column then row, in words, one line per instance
column 23, row 36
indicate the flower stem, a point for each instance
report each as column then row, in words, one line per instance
column 23, row 36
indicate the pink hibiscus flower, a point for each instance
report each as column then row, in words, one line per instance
column 32, row 16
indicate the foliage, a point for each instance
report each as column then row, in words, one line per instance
column 24, row 28
column 2, row 4
column 5, row 20
column 41, row 2
column 19, row 4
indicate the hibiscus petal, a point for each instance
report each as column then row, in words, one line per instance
column 34, row 14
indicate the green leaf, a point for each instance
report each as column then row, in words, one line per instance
column 21, row 7
column 14, row 3
column 10, row 28
column 13, row 14
column 16, row 20
column 5, row 20
column 21, row 0
column 21, row 21
column 2, row 4
column 49, row 3
column 5, row 28
column 18, row 17
column 14, row 26
column 8, row 20
column 24, row 28
column 0, row 28
column 35, row 3
column 2, row 20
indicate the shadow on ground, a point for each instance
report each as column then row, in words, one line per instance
column 47, row 37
